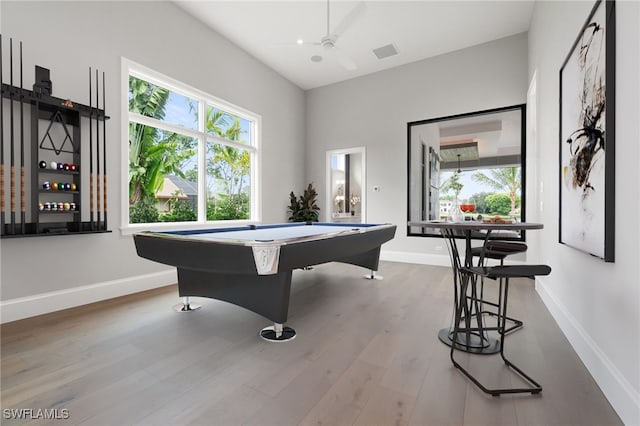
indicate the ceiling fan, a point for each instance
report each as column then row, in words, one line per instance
column 328, row 42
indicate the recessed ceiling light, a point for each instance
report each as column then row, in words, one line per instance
column 316, row 58
column 300, row 41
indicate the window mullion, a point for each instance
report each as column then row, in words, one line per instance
column 202, row 163
column 162, row 125
column 230, row 143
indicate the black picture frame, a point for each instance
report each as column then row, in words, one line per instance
column 587, row 137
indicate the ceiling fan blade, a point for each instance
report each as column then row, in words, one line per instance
column 343, row 59
column 349, row 19
column 294, row 43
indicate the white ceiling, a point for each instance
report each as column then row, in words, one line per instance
column 418, row 29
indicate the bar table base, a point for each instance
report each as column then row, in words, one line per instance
column 474, row 344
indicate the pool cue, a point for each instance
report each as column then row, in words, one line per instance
column 90, row 154
column 23, row 209
column 12, row 153
column 98, row 149
column 2, row 206
column 104, row 152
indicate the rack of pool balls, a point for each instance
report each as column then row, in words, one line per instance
column 59, row 186
column 67, row 167
column 57, row 206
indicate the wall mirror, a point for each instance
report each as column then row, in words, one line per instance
column 346, row 188
column 471, row 165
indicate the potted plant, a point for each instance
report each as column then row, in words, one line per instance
column 304, row 208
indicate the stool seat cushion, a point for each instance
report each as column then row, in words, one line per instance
column 509, row 271
column 496, row 249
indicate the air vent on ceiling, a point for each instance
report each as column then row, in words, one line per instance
column 385, row 51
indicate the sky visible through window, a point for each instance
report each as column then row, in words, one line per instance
column 183, row 111
column 470, row 187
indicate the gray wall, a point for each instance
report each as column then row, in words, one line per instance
column 68, row 38
column 373, row 111
column 597, row 304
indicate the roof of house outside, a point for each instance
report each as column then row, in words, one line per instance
column 188, row 187
column 177, row 187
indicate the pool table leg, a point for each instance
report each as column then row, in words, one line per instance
column 278, row 333
column 373, row 276
column 186, row 305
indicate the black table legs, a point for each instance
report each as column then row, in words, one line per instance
column 475, row 338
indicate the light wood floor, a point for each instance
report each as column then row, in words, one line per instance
column 366, row 354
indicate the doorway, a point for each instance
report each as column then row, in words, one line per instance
column 346, row 188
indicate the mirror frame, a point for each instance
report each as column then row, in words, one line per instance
column 363, row 196
column 523, row 145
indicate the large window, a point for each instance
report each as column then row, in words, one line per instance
column 467, row 167
column 192, row 158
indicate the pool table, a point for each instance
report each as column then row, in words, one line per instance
column 251, row 266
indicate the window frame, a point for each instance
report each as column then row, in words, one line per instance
column 131, row 68
column 522, row 109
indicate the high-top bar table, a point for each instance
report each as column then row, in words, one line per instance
column 474, row 340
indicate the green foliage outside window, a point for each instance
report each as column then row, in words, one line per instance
column 228, row 208
column 144, row 211
column 479, row 200
column 229, row 166
column 498, row 204
column 504, row 179
column 153, row 153
column 181, row 211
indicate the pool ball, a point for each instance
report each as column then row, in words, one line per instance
column 42, row 164
column 60, row 166
column 73, row 186
column 40, row 206
column 67, row 206
column 60, row 186
column 66, row 167
column 54, row 186
column 53, row 165
column 47, row 206
column 46, row 185
column 72, row 167
column 54, row 206
column 60, row 206
column 67, row 186
column 72, row 206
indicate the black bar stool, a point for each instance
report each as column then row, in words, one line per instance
column 497, row 250
column 498, row 272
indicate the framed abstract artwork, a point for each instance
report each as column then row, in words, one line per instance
column 587, row 137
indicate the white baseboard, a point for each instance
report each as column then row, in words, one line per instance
column 418, row 258
column 25, row 307
column 617, row 389
column 44, row 303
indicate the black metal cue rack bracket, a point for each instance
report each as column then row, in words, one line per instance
column 53, row 202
